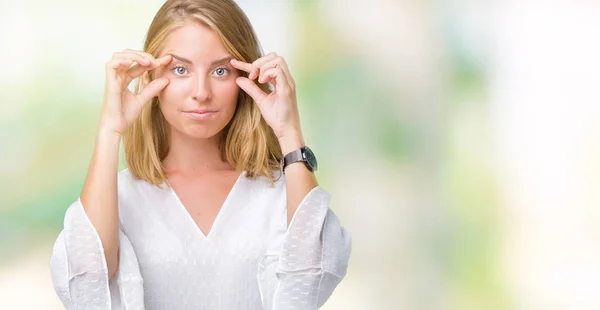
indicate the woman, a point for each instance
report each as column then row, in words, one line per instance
column 203, row 217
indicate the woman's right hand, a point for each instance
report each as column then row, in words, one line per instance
column 121, row 107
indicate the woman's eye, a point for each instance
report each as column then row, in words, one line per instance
column 180, row 70
column 221, row 71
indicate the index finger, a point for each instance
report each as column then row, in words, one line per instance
column 244, row 66
column 138, row 70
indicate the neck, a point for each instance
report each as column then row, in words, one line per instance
column 193, row 156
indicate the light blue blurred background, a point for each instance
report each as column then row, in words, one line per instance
column 460, row 140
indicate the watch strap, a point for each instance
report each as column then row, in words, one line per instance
column 292, row 157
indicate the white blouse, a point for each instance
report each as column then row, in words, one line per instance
column 249, row 260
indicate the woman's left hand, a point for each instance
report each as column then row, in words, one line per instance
column 278, row 108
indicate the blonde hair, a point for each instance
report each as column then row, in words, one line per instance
column 249, row 143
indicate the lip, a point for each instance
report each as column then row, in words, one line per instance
column 199, row 114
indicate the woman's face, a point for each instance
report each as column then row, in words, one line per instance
column 201, row 97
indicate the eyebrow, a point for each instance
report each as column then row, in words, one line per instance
column 216, row 62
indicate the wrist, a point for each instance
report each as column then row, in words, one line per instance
column 109, row 126
column 107, row 133
column 291, row 141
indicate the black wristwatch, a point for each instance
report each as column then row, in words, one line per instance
column 302, row 154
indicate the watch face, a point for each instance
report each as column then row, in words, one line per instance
column 310, row 158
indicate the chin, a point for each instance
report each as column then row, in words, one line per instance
column 200, row 131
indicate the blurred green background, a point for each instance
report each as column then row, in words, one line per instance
column 459, row 140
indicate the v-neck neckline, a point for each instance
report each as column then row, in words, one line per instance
column 217, row 219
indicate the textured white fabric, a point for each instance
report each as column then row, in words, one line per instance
column 249, row 260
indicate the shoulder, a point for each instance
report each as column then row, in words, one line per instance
column 263, row 189
column 130, row 187
column 126, row 182
column 136, row 197
column 263, row 182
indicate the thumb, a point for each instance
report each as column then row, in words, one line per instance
column 251, row 89
column 151, row 90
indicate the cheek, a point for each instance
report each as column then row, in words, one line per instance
column 168, row 98
column 227, row 91
column 173, row 91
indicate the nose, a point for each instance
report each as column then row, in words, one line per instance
column 201, row 89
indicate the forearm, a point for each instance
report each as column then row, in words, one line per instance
column 299, row 179
column 99, row 194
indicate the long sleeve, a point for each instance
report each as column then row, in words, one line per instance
column 79, row 271
column 302, row 270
